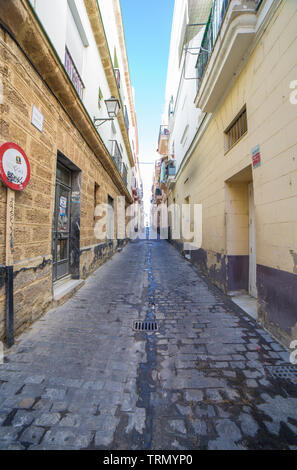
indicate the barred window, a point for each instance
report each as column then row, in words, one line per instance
column 236, row 130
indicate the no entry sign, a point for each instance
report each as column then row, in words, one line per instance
column 14, row 166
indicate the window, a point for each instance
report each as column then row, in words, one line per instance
column 96, row 197
column 115, row 60
column 110, row 218
column 184, row 139
column 100, row 98
column 236, row 130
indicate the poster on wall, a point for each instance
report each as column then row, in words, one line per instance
column 256, row 156
column 14, row 166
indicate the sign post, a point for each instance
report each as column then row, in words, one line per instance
column 15, row 174
column 9, row 317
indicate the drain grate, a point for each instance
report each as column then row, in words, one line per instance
column 149, row 326
column 288, row 373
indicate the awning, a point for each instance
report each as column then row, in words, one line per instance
column 198, row 12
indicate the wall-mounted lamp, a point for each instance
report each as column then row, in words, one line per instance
column 113, row 107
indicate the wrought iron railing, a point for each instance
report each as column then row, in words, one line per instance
column 164, row 132
column 116, row 155
column 211, row 32
column 126, row 118
column 124, row 173
column 171, row 170
column 73, row 73
column 118, row 77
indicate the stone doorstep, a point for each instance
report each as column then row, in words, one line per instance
column 246, row 302
column 65, row 289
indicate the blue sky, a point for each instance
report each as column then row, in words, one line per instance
column 147, row 26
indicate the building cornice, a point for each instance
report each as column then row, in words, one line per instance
column 97, row 26
column 21, row 21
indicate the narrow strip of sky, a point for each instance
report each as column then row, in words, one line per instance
column 147, row 26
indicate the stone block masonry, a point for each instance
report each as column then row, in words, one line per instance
column 24, row 87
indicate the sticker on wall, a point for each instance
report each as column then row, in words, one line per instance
column 37, row 118
column 75, row 197
column 14, row 166
column 63, row 202
column 256, row 156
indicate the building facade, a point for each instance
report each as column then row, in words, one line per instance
column 231, row 112
column 60, row 61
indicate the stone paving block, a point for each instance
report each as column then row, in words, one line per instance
column 32, row 435
column 26, row 402
column 8, row 433
column 34, row 379
column 177, row 425
column 23, row 418
column 47, row 419
column 199, row 426
column 70, row 421
column 248, row 425
column 15, row 446
column 228, row 429
column 44, row 404
column 59, row 438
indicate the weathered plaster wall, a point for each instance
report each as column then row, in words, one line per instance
column 264, row 87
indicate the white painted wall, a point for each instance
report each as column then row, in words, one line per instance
column 185, row 121
column 60, row 26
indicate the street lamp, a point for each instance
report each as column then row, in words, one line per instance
column 113, row 106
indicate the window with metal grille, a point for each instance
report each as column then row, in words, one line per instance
column 236, row 130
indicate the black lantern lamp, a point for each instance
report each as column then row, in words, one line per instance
column 113, row 106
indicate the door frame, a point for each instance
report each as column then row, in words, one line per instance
column 65, row 234
column 252, row 243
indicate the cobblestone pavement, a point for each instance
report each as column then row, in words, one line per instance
column 81, row 378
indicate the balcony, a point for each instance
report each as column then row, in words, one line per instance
column 171, row 171
column 73, row 74
column 228, row 36
column 119, row 81
column 163, row 140
column 116, row 155
column 124, row 173
column 127, row 124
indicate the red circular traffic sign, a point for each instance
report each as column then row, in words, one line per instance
column 14, row 166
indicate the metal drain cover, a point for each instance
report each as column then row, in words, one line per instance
column 288, row 373
column 149, row 326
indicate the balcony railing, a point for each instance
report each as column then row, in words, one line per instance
column 124, row 173
column 163, row 140
column 212, row 29
column 126, row 118
column 73, row 73
column 119, row 82
column 164, row 132
column 118, row 77
column 116, row 155
column 171, row 170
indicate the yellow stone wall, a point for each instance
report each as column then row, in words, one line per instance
column 264, row 87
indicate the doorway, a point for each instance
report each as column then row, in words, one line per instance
column 241, row 241
column 61, row 229
column 252, row 244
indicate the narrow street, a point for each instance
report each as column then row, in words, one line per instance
column 82, row 378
